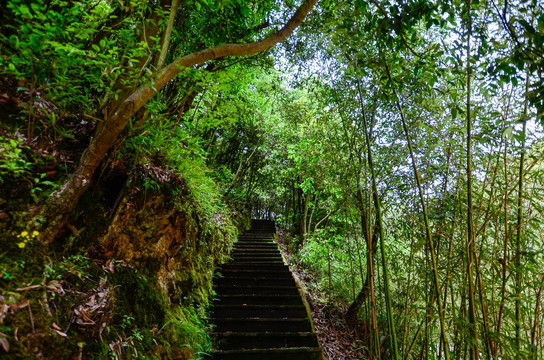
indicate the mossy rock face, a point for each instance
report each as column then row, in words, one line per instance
column 136, row 293
column 153, row 258
column 177, row 247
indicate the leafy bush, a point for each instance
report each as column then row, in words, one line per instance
column 173, row 149
column 49, row 45
column 13, row 162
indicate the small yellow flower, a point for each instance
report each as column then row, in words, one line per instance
column 35, row 233
column 24, row 233
column 21, row 245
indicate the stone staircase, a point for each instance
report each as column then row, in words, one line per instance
column 258, row 310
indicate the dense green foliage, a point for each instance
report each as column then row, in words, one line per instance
column 401, row 145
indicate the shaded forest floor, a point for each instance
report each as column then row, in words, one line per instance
column 339, row 340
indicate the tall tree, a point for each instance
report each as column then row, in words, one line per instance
column 62, row 201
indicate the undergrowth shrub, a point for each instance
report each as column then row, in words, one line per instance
column 175, row 150
column 327, row 255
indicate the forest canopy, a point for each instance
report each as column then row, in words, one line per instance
column 399, row 144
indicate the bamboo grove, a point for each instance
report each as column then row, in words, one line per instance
column 409, row 180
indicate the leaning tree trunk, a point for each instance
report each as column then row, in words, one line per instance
column 61, row 202
column 372, row 241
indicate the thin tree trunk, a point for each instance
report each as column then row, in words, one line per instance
column 470, row 244
column 483, row 303
column 321, row 221
column 168, row 33
column 294, row 202
column 377, row 205
column 304, row 220
column 408, row 293
column 351, row 313
column 504, row 262
column 416, row 336
column 329, row 302
column 430, row 243
column 352, row 272
column 309, row 225
column 517, row 255
column 241, row 171
column 535, row 320
column 375, row 342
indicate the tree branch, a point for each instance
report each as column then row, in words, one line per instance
column 62, row 201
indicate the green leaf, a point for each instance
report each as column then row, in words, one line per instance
column 507, row 133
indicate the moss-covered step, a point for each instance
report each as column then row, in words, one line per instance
column 269, row 354
column 256, row 235
column 258, row 311
column 240, row 254
column 255, row 248
column 254, row 280
column 255, row 243
column 259, row 259
column 262, row 325
column 258, row 300
column 256, row 266
column 253, row 290
column 242, row 270
column 257, row 340
column 255, row 252
column 256, row 238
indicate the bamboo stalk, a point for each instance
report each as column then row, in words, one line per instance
column 428, row 235
column 517, row 255
column 377, row 206
column 470, row 243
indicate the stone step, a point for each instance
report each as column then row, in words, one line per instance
column 256, row 235
column 256, row 255
column 256, row 247
column 256, row 243
column 258, row 300
column 254, row 273
column 256, row 267
column 258, row 260
column 246, row 248
column 260, row 340
column 255, row 252
column 269, row 354
column 262, row 325
column 260, row 255
column 256, row 290
column 267, row 233
column 257, row 311
column 242, row 251
column 256, row 239
column 255, row 281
